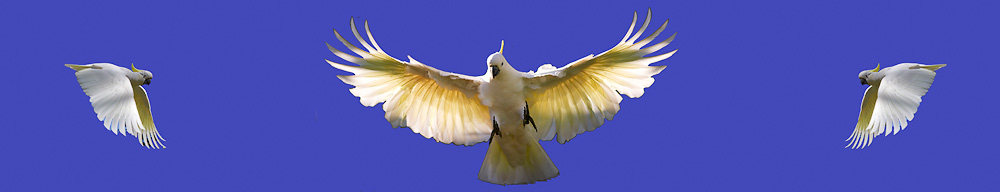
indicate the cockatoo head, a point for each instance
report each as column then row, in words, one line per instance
column 866, row 75
column 143, row 76
column 498, row 64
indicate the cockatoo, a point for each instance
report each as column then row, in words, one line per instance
column 119, row 99
column 891, row 100
column 509, row 109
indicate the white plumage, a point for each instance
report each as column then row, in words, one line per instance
column 119, row 99
column 465, row 110
column 891, row 100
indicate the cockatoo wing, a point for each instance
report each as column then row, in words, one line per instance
column 861, row 137
column 437, row 104
column 888, row 106
column 120, row 105
column 578, row 97
column 148, row 136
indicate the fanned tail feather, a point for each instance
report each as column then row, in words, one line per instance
column 535, row 166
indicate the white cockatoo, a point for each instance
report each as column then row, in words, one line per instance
column 509, row 109
column 891, row 100
column 119, row 99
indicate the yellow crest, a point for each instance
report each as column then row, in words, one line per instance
column 501, row 46
column 133, row 68
column 877, row 66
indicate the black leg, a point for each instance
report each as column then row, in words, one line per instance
column 496, row 130
column 527, row 117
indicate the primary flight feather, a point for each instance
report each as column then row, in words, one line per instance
column 119, row 100
column 891, row 100
column 509, row 109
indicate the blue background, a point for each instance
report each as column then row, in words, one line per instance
column 760, row 96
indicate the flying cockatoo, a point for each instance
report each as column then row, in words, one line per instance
column 509, row 109
column 119, row 99
column 891, row 100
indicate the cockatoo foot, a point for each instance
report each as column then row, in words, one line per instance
column 496, row 130
column 527, row 117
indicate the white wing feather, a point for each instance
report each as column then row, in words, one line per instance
column 579, row 96
column 898, row 96
column 113, row 98
column 436, row 104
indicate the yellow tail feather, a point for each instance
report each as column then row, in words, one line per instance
column 934, row 67
column 77, row 67
column 533, row 167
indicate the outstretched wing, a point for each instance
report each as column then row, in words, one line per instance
column 861, row 137
column 888, row 106
column 578, row 97
column 437, row 104
column 149, row 136
column 113, row 98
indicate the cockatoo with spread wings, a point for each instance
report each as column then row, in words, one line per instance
column 509, row 109
column 891, row 100
column 119, row 99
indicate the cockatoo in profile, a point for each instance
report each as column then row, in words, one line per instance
column 891, row 100
column 509, row 109
column 119, row 99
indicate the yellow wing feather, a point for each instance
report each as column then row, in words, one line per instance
column 436, row 104
column 581, row 95
column 148, row 137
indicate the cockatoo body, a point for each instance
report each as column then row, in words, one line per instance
column 119, row 100
column 509, row 109
column 891, row 100
column 514, row 156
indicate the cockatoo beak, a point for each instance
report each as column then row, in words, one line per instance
column 495, row 69
column 147, row 81
column 864, row 82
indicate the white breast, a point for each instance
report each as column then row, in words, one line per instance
column 505, row 98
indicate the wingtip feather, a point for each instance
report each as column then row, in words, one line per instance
column 348, row 68
column 649, row 17
column 628, row 34
column 354, row 29
column 350, row 46
column 656, row 33
column 372, row 38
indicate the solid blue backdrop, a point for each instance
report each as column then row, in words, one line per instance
column 760, row 96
